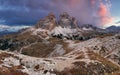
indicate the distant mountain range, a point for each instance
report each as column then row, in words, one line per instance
column 5, row 32
column 113, row 29
column 5, row 29
column 85, row 27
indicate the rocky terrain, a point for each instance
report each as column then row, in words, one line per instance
column 60, row 47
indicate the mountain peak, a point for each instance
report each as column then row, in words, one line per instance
column 66, row 26
column 49, row 22
column 65, row 21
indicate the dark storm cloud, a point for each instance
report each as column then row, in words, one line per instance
column 30, row 11
column 23, row 11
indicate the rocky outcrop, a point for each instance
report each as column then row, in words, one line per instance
column 48, row 23
column 66, row 21
column 66, row 28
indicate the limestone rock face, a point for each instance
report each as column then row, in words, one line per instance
column 65, row 27
column 67, row 21
column 49, row 22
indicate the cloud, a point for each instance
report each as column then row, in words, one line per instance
column 30, row 11
column 104, row 14
column 22, row 11
column 12, row 28
column 94, row 12
column 118, row 22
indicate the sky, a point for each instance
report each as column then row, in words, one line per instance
column 18, row 13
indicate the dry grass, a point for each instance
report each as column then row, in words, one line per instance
column 107, row 63
column 20, row 40
column 4, row 55
column 10, row 71
column 105, row 35
column 95, row 56
column 81, row 68
column 41, row 49
column 77, row 70
column 80, row 57
column 38, row 50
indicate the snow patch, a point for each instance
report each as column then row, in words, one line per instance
column 10, row 61
column 64, row 31
column 58, row 51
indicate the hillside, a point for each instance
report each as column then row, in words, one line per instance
column 61, row 47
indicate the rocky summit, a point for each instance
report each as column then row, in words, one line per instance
column 60, row 47
column 66, row 27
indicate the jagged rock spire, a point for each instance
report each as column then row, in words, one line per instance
column 65, row 21
column 49, row 22
column 66, row 26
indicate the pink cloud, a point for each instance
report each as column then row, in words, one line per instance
column 104, row 15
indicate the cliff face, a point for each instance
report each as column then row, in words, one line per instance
column 48, row 23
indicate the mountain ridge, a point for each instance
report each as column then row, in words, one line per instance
column 58, row 48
